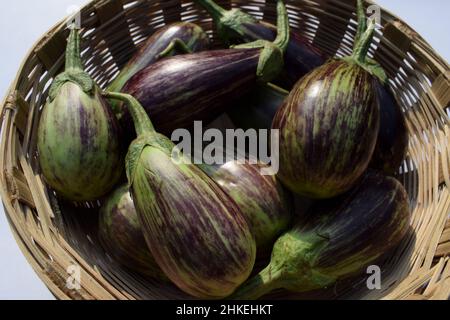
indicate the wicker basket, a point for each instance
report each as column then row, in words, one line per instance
column 53, row 241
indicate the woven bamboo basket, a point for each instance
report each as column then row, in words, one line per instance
column 55, row 236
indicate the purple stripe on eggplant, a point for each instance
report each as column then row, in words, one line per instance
column 121, row 235
column 180, row 90
column 341, row 238
column 189, row 33
column 328, row 129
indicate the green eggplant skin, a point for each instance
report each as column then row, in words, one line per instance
column 78, row 135
column 393, row 138
column 328, row 130
column 342, row 237
column 78, row 144
column 266, row 205
column 121, row 235
column 257, row 109
column 195, row 231
column 189, row 33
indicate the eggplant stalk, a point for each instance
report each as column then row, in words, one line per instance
column 271, row 59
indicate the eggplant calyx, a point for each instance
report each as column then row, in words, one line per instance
column 271, row 59
column 146, row 133
column 360, row 54
column 74, row 71
column 148, row 140
column 80, row 78
column 228, row 22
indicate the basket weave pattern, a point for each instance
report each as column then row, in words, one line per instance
column 52, row 240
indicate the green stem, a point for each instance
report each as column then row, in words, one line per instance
column 216, row 11
column 362, row 47
column 141, row 120
column 73, row 50
column 277, row 89
column 258, row 286
column 362, row 21
column 283, row 34
column 174, row 46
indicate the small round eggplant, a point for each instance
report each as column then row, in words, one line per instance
column 266, row 206
column 195, row 231
column 237, row 26
column 78, row 137
column 191, row 36
column 329, row 125
column 393, row 138
column 341, row 239
column 121, row 235
column 257, row 109
column 199, row 87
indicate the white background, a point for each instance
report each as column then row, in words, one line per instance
column 22, row 22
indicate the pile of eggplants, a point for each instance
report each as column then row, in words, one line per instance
column 207, row 228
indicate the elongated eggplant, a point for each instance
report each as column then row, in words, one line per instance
column 198, row 87
column 257, row 109
column 78, row 137
column 237, row 26
column 196, row 233
column 189, row 36
column 266, row 206
column 342, row 237
column 329, row 125
column 121, row 235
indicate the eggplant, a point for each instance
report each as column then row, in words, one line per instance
column 266, row 205
column 184, row 37
column 121, row 235
column 78, row 135
column 235, row 26
column 199, row 87
column 393, row 138
column 196, row 232
column 340, row 239
column 329, row 125
column 257, row 109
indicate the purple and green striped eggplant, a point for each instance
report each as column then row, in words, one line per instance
column 257, row 109
column 393, row 138
column 120, row 234
column 329, row 124
column 340, row 239
column 235, row 26
column 266, row 206
column 195, row 231
column 199, row 87
column 184, row 37
column 78, row 138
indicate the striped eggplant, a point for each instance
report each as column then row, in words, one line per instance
column 393, row 138
column 329, row 125
column 196, row 233
column 78, row 137
column 340, row 239
column 236, row 26
column 198, row 87
column 184, row 37
column 266, row 206
column 120, row 234
column 257, row 109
